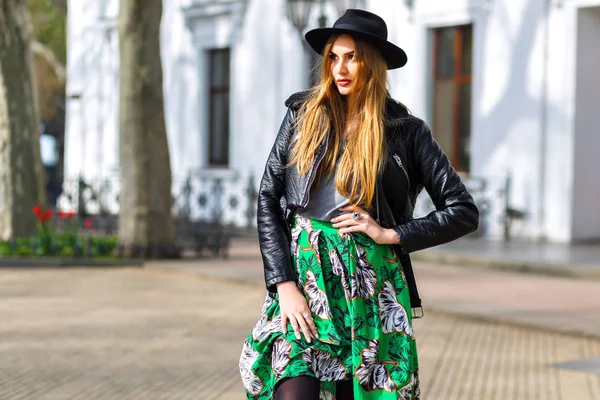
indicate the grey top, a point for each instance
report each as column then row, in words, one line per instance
column 325, row 200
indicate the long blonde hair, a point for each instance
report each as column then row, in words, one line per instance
column 327, row 111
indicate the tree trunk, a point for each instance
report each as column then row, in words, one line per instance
column 145, row 220
column 21, row 170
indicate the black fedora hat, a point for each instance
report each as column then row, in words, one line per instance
column 363, row 25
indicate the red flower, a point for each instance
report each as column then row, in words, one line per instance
column 37, row 211
column 62, row 215
column 88, row 223
column 70, row 214
column 46, row 216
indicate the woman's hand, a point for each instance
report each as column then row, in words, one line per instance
column 358, row 220
column 293, row 307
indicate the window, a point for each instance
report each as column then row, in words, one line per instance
column 452, row 62
column 219, row 107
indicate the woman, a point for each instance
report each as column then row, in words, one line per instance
column 349, row 162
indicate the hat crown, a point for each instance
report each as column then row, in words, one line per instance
column 361, row 25
column 362, row 21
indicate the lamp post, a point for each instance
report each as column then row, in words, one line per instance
column 343, row 5
column 298, row 12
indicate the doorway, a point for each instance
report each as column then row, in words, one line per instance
column 586, row 179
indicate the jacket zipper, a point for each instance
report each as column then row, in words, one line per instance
column 399, row 162
column 377, row 202
column 311, row 177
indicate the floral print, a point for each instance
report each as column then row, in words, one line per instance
column 394, row 317
column 325, row 367
column 360, row 305
column 372, row 373
column 364, row 279
column 317, row 298
column 251, row 382
column 281, row 356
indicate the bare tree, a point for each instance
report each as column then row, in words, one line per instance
column 145, row 222
column 21, row 170
column 49, row 18
column 48, row 55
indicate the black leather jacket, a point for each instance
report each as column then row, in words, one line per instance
column 414, row 161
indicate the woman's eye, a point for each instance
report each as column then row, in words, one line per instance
column 332, row 57
column 350, row 56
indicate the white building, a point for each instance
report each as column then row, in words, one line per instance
column 509, row 87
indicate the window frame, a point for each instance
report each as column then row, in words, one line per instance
column 218, row 160
column 459, row 78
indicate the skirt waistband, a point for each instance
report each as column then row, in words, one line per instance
column 326, row 227
column 313, row 223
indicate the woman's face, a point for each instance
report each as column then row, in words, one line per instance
column 343, row 67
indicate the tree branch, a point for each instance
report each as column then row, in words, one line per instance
column 61, row 5
column 47, row 54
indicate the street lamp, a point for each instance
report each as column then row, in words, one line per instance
column 298, row 12
column 343, row 5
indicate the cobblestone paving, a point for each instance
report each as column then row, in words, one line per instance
column 151, row 334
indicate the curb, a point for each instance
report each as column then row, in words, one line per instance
column 515, row 266
column 555, row 329
column 46, row 262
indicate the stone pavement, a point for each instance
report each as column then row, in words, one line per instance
column 153, row 333
column 554, row 303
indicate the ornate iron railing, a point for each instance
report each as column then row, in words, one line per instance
column 207, row 210
column 492, row 197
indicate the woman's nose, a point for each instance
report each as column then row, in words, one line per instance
column 342, row 67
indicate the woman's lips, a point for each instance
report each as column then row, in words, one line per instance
column 344, row 82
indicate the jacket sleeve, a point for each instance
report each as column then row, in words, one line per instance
column 273, row 232
column 456, row 214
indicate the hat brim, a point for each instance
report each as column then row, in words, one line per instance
column 393, row 55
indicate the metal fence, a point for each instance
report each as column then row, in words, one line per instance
column 207, row 210
column 492, row 197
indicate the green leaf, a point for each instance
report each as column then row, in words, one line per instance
column 5, row 248
column 373, row 320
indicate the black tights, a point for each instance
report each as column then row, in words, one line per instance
column 307, row 388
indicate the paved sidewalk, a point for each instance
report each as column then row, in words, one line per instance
column 553, row 303
column 565, row 260
column 156, row 334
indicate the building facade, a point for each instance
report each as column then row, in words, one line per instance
column 509, row 88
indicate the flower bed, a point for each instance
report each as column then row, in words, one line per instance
column 69, row 242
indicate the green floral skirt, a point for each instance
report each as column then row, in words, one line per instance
column 360, row 304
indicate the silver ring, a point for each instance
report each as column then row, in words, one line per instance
column 307, row 316
column 356, row 215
